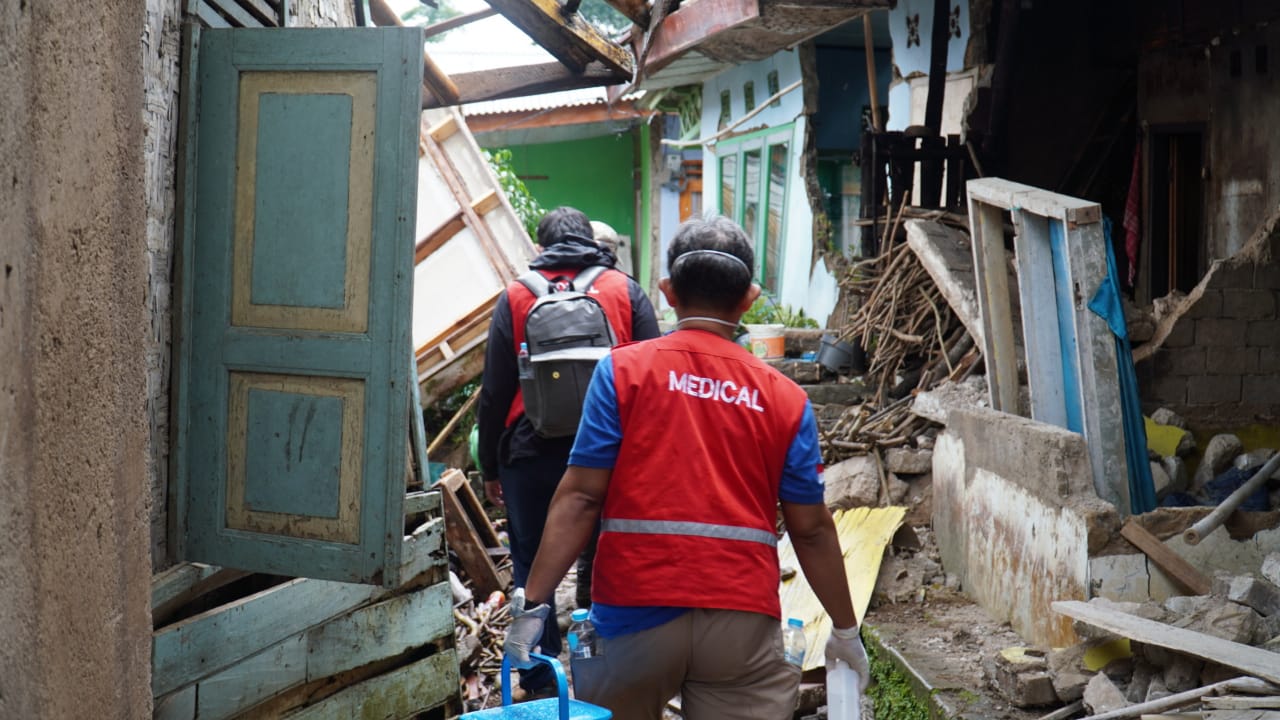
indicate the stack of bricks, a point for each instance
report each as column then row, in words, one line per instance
column 1219, row 365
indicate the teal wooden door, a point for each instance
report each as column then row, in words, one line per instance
column 296, row 272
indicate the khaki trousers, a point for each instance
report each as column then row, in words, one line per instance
column 724, row 664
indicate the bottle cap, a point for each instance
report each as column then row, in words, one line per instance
column 795, row 622
column 579, row 615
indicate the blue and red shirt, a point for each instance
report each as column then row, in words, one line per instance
column 703, row 440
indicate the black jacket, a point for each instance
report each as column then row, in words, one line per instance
column 499, row 445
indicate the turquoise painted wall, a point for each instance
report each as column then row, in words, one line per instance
column 595, row 175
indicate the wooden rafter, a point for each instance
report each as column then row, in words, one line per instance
column 690, row 25
column 570, row 39
column 637, row 11
column 434, row 80
column 526, row 80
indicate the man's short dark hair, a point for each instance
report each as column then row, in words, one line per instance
column 714, row 280
column 562, row 223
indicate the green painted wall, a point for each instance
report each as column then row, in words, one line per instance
column 595, row 175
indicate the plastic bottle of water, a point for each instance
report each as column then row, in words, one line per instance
column 844, row 701
column 793, row 642
column 582, row 635
column 522, row 360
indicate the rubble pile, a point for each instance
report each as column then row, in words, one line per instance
column 1224, row 466
column 913, row 341
column 1201, row 645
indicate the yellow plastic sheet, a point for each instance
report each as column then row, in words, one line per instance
column 1163, row 439
column 864, row 534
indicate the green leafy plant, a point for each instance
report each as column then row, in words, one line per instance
column 766, row 311
column 527, row 207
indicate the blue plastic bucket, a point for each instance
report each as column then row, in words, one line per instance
column 556, row 708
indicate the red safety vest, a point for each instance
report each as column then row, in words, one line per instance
column 689, row 518
column 610, row 289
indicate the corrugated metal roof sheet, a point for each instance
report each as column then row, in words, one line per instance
column 564, row 98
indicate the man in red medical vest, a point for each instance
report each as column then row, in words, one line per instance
column 686, row 446
column 521, row 468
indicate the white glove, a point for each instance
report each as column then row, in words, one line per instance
column 525, row 631
column 846, row 645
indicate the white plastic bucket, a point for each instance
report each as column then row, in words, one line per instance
column 767, row 341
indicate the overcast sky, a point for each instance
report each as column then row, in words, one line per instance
column 484, row 44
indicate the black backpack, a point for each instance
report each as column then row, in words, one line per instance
column 566, row 333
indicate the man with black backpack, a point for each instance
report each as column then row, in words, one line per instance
column 548, row 329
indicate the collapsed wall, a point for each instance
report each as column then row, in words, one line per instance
column 1017, row 517
column 1215, row 356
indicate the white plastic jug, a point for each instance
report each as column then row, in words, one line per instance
column 844, row 699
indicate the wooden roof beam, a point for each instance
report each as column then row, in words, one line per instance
column 570, row 39
column 691, row 24
column 436, row 83
column 637, row 11
column 526, row 80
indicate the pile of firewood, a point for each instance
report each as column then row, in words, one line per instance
column 480, row 630
column 913, row 341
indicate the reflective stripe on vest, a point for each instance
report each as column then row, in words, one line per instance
column 676, row 527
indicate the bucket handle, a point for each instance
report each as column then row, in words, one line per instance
column 562, row 686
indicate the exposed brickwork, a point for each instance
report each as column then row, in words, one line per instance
column 1219, row 364
column 1213, row 389
column 1231, row 360
column 1248, row 304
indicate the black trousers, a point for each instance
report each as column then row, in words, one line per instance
column 527, row 487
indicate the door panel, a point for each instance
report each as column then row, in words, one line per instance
column 297, row 292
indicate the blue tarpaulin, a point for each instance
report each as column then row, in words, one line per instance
column 1106, row 304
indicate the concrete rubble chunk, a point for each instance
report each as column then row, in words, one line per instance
column 1140, row 682
column 1021, row 675
column 1176, row 468
column 1068, row 673
column 1255, row 593
column 1157, row 690
column 852, row 483
column 1271, row 568
column 898, row 489
column 1160, row 479
column 906, row 461
column 1165, row 416
column 1218, row 454
column 1183, row 673
column 936, row 403
column 1101, row 695
column 1254, row 459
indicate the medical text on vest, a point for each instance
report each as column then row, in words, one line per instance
column 726, row 391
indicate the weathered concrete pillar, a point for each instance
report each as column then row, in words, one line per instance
column 74, row 569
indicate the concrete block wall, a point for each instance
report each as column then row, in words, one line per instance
column 1017, row 517
column 1219, row 363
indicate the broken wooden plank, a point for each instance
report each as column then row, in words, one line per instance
column 161, row 614
column 1173, row 564
column 1009, row 195
column 999, row 347
column 382, row 630
column 466, row 538
column 180, row 578
column 570, row 39
column 1252, row 660
column 522, row 80
column 180, row 705
column 1243, row 702
column 201, row 646
column 421, row 502
column 398, row 694
column 248, row 683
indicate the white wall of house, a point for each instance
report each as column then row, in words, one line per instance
column 911, row 28
column 799, row 282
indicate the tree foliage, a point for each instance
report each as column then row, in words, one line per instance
column 527, row 207
column 424, row 15
column 603, row 16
